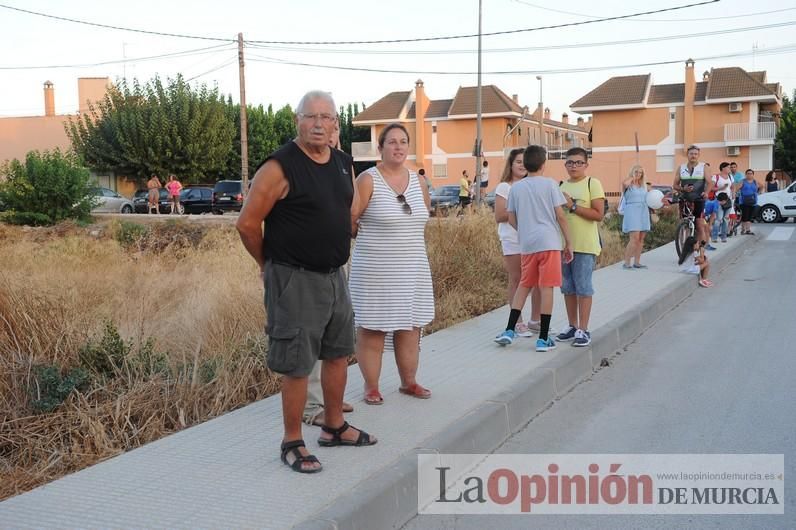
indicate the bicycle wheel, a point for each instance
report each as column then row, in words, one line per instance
column 684, row 230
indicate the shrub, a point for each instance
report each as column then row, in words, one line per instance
column 47, row 188
column 129, row 234
column 50, row 388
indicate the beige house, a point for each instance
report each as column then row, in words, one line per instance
column 18, row 135
column 443, row 131
column 731, row 114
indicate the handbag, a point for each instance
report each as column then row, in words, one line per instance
column 749, row 200
column 621, row 208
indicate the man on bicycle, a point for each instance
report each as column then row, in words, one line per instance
column 693, row 185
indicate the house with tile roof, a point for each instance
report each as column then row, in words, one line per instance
column 442, row 132
column 731, row 114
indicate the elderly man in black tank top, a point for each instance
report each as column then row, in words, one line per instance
column 306, row 195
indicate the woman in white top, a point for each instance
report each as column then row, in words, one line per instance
column 390, row 280
column 513, row 172
column 722, row 183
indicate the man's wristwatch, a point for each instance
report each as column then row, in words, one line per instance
column 573, row 207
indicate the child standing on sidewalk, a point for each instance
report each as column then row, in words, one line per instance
column 585, row 209
column 534, row 209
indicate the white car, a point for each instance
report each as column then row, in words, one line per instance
column 111, row 202
column 777, row 206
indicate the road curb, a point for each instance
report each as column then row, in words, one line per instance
column 388, row 499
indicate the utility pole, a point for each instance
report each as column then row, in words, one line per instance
column 541, row 113
column 478, row 117
column 244, row 125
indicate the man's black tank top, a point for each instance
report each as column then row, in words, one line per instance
column 311, row 226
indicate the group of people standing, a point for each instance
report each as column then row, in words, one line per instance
column 549, row 238
column 173, row 186
column 305, row 206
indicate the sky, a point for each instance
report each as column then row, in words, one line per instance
column 29, row 41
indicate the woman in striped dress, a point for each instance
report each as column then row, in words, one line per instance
column 390, row 278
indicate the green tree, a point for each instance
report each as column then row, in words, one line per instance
column 46, row 189
column 349, row 133
column 785, row 143
column 266, row 132
column 139, row 130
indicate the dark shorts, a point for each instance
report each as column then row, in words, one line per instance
column 464, row 201
column 484, row 183
column 310, row 318
column 747, row 212
column 697, row 208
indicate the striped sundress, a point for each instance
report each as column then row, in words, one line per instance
column 390, row 278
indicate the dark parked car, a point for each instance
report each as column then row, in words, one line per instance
column 228, row 196
column 197, row 199
column 444, row 198
column 141, row 201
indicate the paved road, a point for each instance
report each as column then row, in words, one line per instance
column 716, row 375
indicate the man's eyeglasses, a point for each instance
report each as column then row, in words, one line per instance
column 574, row 163
column 404, row 204
column 324, row 117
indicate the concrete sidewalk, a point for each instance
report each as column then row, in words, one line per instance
column 226, row 473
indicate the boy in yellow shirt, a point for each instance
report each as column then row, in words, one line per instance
column 585, row 209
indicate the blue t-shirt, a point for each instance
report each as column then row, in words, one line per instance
column 737, row 177
column 711, row 207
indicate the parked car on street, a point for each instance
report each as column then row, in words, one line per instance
column 777, row 206
column 227, row 196
column 489, row 199
column 111, row 202
column 197, row 199
column 444, row 198
column 141, row 201
column 667, row 191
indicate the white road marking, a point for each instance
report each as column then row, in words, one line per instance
column 780, row 233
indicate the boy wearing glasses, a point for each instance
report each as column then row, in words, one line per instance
column 585, row 207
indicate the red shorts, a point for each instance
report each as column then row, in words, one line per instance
column 541, row 269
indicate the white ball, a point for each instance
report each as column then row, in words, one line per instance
column 655, row 199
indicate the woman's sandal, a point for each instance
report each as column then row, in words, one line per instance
column 337, row 440
column 373, row 397
column 415, row 390
column 293, row 448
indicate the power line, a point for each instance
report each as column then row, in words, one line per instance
column 186, row 53
column 215, row 69
column 108, row 26
column 526, row 49
column 491, row 34
column 420, row 39
column 789, row 48
column 659, row 20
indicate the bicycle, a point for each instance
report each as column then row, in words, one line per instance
column 686, row 228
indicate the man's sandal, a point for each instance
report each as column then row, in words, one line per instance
column 337, row 440
column 293, row 448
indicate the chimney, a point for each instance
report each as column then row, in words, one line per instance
column 688, row 114
column 706, row 76
column 547, row 113
column 565, row 118
column 49, row 98
column 580, row 121
column 421, row 107
column 516, row 98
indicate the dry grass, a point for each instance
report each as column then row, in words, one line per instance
column 187, row 303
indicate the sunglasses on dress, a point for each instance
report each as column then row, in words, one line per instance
column 404, row 204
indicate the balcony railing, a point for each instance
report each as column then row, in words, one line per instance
column 760, row 132
column 363, row 150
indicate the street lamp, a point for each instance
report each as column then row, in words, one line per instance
column 478, row 117
column 541, row 112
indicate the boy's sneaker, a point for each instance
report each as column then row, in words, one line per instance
column 545, row 345
column 505, row 338
column 582, row 338
column 567, row 334
column 522, row 330
column 709, row 247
